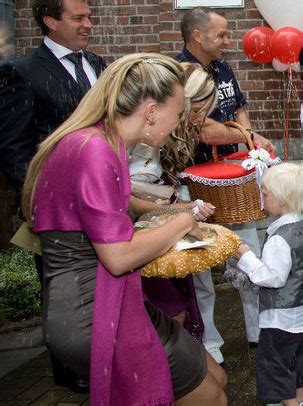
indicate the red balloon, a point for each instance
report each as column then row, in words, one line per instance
column 257, row 44
column 286, row 44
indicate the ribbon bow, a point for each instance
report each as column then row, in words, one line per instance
column 261, row 161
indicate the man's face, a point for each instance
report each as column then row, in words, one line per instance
column 214, row 42
column 73, row 29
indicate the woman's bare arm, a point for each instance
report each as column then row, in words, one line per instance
column 122, row 257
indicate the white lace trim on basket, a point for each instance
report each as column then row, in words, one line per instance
column 219, row 182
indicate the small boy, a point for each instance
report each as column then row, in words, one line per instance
column 279, row 274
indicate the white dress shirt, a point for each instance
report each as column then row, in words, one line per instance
column 60, row 53
column 272, row 271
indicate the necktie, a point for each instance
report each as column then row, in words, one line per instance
column 82, row 79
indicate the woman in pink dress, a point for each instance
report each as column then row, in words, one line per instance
column 76, row 196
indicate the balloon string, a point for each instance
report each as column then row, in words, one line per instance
column 286, row 132
column 292, row 92
column 289, row 92
column 291, row 86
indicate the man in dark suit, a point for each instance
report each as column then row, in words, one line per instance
column 40, row 91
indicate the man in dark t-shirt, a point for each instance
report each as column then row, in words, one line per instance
column 230, row 99
column 206, row 38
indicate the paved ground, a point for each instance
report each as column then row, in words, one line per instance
column 31, row 383
column 18, row 347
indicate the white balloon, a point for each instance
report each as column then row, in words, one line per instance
column 279, row 66
column 282, row 13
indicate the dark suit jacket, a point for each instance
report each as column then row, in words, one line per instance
column 36, row 95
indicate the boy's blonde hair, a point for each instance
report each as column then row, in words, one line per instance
column 120, row 90
column 285, row 182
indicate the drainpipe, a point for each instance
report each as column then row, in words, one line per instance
column 7, row 51
column 7, row 29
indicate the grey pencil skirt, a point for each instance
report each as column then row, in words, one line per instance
column 69, row 274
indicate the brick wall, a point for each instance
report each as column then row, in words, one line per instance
column 125, row 26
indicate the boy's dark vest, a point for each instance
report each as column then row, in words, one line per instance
column 290, row 295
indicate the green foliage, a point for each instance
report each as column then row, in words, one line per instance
column 19, row 285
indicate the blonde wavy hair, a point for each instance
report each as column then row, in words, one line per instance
column 123, row 86
column 285, row 182
column 179, row 150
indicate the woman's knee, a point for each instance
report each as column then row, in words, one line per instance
column 222, row 377
column 216, row 370
column 208, row 393
column 212, row 392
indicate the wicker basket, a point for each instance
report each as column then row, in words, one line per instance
column 237, row 200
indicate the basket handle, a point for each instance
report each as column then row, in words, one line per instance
column 243, row 131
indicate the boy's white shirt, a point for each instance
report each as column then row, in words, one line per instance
column 272, row 271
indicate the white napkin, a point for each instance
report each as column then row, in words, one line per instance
column 185, row 245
